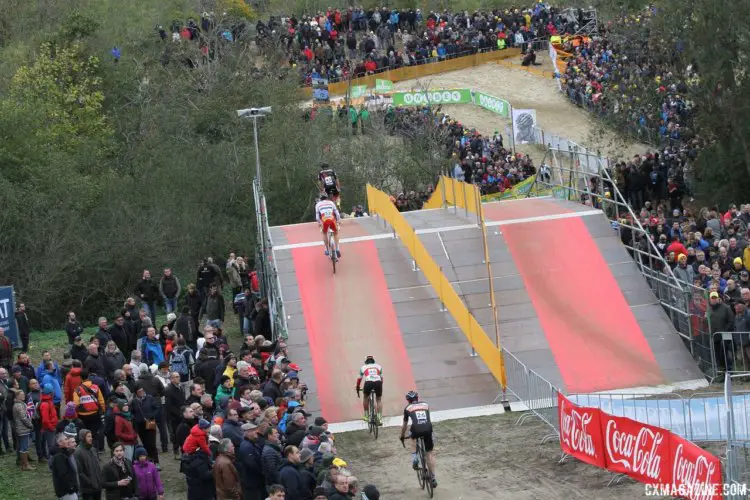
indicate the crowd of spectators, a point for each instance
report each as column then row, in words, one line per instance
column 235, row 419
column 639, row 89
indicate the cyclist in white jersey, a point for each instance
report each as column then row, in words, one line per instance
column 328, row 217
column 372, row 373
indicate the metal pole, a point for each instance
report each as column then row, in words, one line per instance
column 512, row 130
column 257, row 152
column 490, row 279
column 453, row 190
column 466, row 205
column 441, row 184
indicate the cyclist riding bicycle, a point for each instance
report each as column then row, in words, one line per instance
column 328, row 182
column 418, row 412
column 328, row 217
column 372, row 373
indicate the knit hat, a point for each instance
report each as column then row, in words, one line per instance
column 140, row 451
column 71, row 430
column 737, row 260
column 319, row 492
column 47, row 389
column 370, row 492
column 70, row 410
column 204, row 424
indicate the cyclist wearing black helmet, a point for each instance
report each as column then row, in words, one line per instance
column 418, row 412
column 328, row 182
column 372, row 373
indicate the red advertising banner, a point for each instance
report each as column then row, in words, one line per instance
column 581, row 432
column 639, row 450
column 696, row 474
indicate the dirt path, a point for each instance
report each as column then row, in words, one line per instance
column 484, row 458
column 555, row 114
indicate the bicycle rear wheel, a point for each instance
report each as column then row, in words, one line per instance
column 332, row 249
column 373, row 416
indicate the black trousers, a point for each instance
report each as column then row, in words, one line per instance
column 148, row 438
column 94, row 424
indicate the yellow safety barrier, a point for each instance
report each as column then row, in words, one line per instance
column 379, row 203
column 421, row 70
column 453, row 192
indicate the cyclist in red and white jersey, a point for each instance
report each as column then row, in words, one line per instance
column 372, row 373
column 328, row 217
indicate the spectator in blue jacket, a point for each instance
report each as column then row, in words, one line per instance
column 51, row 377
column 41, row 369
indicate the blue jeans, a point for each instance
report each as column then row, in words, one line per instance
column 150, row 310
column 216, row 323
column 245, row 326
column 48, row 442
column 23, row 444
column 170, row 304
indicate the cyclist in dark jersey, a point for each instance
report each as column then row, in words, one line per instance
column 329, row 182
column 418, row 413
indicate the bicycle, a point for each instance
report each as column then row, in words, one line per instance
column 372, row 421
column 332, row 248
column 424, row 476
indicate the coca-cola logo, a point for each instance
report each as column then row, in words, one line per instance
column 575, row 430
column 696, row 475
column 636, row 453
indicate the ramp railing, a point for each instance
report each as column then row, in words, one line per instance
column 379, row 203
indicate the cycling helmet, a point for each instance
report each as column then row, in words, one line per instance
column 323, row 196
column 369, row 360
column 323, row 166
column 412, row 396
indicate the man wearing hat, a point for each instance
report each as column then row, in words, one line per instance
column 720, row 319
column 249, row 464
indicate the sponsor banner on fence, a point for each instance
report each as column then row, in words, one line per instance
column 358, row 91
column 524, row 123
column 8, row 314
column 320, row 88
column 696, row 474
column 641, row 451
column 520, row 190
column 432, row 97
column 492, row 103
column 581, row 432
column 383, row 86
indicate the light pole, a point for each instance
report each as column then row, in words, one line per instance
column 254, row 114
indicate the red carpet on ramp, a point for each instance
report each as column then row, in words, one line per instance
column 594, row 337
column 347, row 317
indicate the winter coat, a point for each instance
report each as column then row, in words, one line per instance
column 194, row 302
column 174, row 400
column 111, row 473
column 79, row 352
column 147, row 291
column 21, row 422
column 124, row 431
column 213, row 307
column 89, row 469
column 64, row 473
column 72, row 381
column 95, row 364
column 291, row 479
column 169, row 286
column 197, row 440
column 271, row 461
column 148, row 479
column 184, row 326
column 200, row 479
column 226, row 478
column 47, row 413
column 73, row 330
column 144, row 409
column 52, row 379
column 232, row 431
column 249, row 465
column 183, row 431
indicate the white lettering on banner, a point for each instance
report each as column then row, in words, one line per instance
column 4, row 308
column 696, row 475
column 492, row 103
column 637, row 453
column 438, row 97
column 575, row 433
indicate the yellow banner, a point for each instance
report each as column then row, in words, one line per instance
column 461, row 194
column 520, row 190
column 379, row 203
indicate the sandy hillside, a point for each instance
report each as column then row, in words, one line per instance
column 555, row 114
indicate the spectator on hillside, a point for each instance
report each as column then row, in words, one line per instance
column 213, row 307
column 79, row 350
column 169, row 289
column 226, row 476
column 24, row 327
column 6, row 351
column 146, row 416
column 89, row 401
column 186, row 328
column 102, row 334
column 22, row 429
column 289, row 474
column 63, row 468
column 94, row 362
column 23, row 362
column 148, row 292
column 118, row 477
column 271, row 458
column 48, row 421
column 6, row 399
column 72, row 327
column 147, row 477
column 152, row 352
column 249, row 463
column 87, row 465
column 113, row 360
column 123, row 337
column 198, row 472
column 125, row 432
column 262, row 324
column 232, row 427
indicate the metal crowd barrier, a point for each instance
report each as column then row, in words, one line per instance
column 537, row 396
column 731, row 352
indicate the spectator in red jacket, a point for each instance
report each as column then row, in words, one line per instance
column 198, row 439
column 48, row 421
column 677, row 247
column 72, row 380
column 124, row 430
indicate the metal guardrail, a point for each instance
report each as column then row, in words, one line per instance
column 731, row 352
column 269, row 276
column 537, row 395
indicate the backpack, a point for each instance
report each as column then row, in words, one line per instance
column 88, row 399
column 179, row 362
column 152, row 353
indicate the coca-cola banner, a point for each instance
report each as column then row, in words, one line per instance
column 696, row 474
column 580, row 432
column 641, row 451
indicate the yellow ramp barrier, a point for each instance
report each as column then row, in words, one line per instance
column 460, row 194
column 379, row 203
